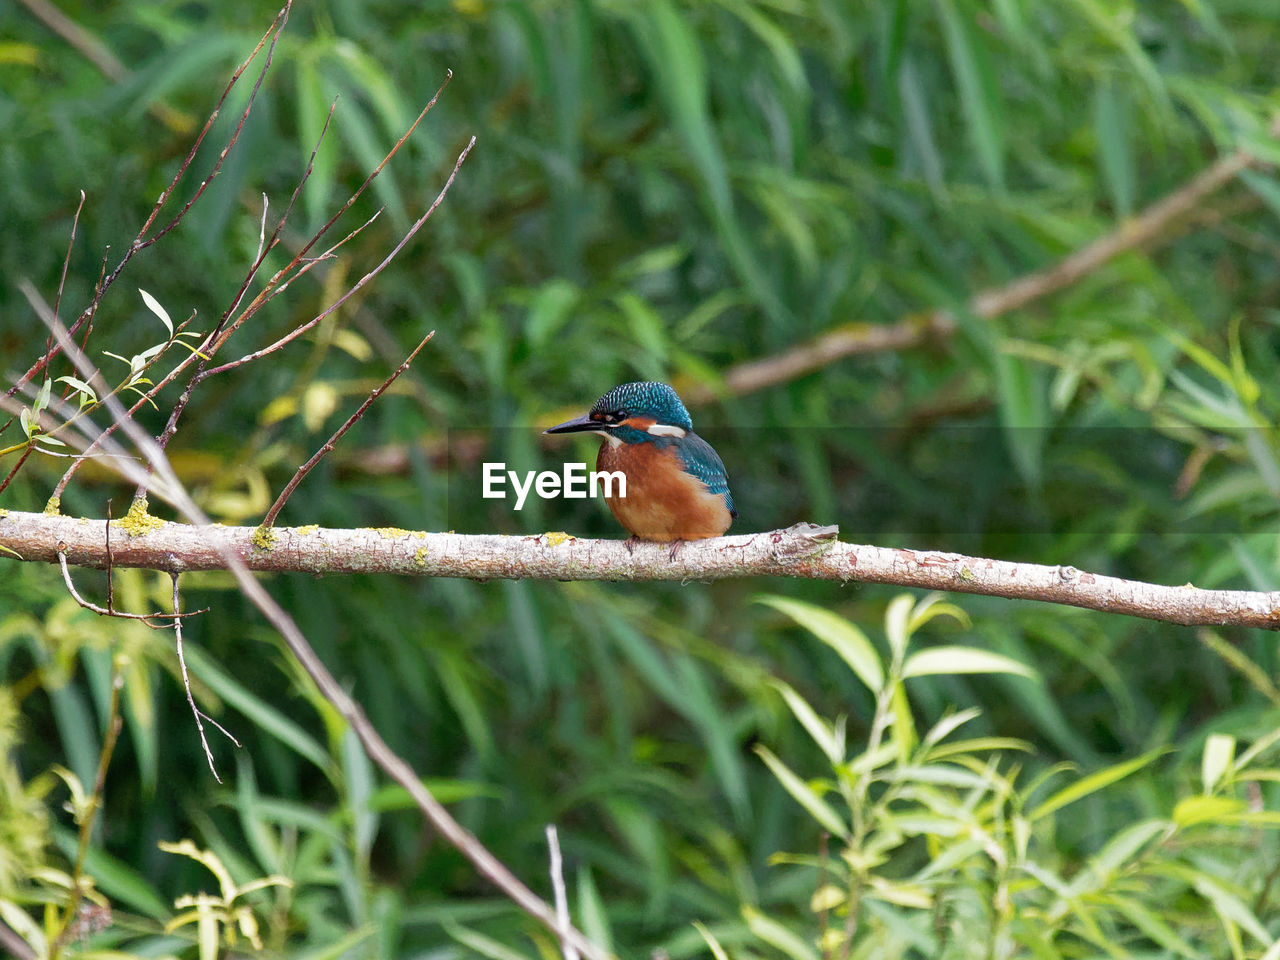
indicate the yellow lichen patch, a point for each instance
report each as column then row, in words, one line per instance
column 54, row 507
column 3, row 513
column 137, row 522
column 309, row 529
column 390, row 533
column 264, row 538
column 420, row 557
column 419, row 534
column 556, row 537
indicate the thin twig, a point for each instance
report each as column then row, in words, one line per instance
column 66, row 261
column 561, row 898
column 13, row 942
column 278, row 281
column 265, row 248
column 90, row 47
column 199, row 714
column 390, row 762
column 111, row 586
column 328, row 446
column 359, row 284
column 141, row 241
column 107, row 611
column 57, row 306
column 16, row 467
column 217, row 339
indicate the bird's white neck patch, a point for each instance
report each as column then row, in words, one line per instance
column 613, row 441
column 665, row 430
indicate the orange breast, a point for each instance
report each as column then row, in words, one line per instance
column 663, row 503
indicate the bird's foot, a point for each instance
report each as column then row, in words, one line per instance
column 676, row 547
column 630, row 543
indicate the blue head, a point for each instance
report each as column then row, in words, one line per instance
column 645, row 412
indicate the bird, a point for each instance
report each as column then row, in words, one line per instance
column 676, row 488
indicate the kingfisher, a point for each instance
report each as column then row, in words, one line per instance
column 676, row 487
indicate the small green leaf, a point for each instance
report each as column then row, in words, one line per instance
column 1154, row 927
column 549, row 310
column 818, row 728
column 803, row 794
column 1201, row 809
column 839, row 634
column 483, row 945
column 896, row 628
column 717, row 951
column 1219, row 752
column 154, row 306
column 1092, row 783
column 950, row 659
column 980, row 99
column 931, row 606
column 777, row 936
column 42, row 400
column 1114, row 127
column 593, row 917
column 1229, row 905
column 24, row 419
column 1121, row 848
column 87, row 393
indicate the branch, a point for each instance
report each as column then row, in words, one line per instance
column 804, row 550
column 328, row 446
column 142, row 241
column 390, row 762
column 1150, row 226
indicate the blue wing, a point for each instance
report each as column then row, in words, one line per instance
column 701, row 460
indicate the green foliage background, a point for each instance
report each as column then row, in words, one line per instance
column 659, row 190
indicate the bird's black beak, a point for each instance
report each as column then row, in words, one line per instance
column 577, row 425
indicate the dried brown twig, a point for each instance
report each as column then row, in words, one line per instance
column 142, row 241
column 166, row 481
column 107, row 611
column 329, row 444
column 277, row 283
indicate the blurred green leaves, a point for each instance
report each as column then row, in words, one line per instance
column 662, row 190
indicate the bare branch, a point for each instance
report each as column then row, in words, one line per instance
column 1151, row 226
column 557, row 887
column 307, row 467
column 803, row 550
column 90, row 47
column 107, row 611
column 359, row 284
column 171, row 425
column 66, row 261
column 13, row 942
column 386, row 759
column 16, row 467
column 199, row 714
column 282, row 277
column 141, row 241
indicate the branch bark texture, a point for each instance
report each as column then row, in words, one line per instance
column 804, row 550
